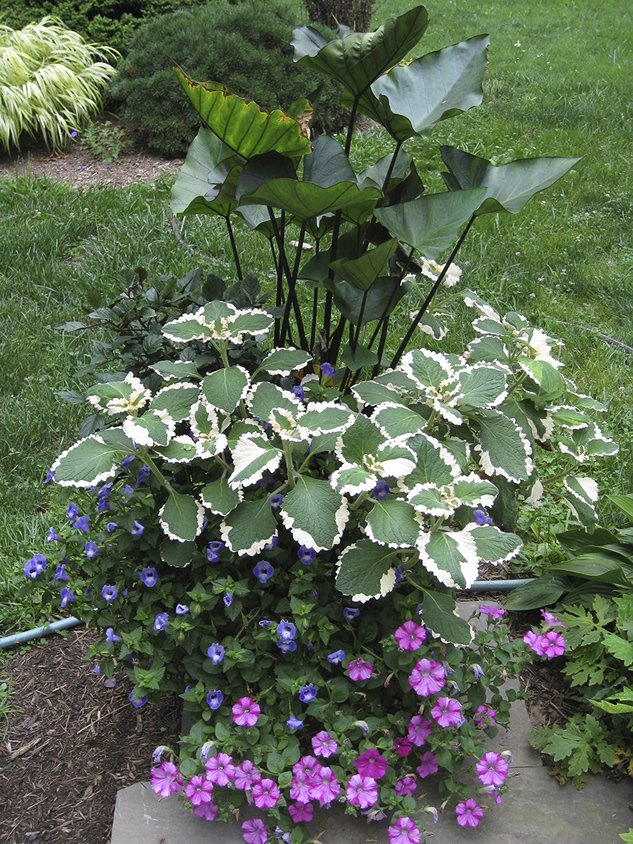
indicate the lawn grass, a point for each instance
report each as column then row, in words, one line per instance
column 558, row 84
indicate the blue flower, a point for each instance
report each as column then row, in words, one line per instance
column 270, row 545
column 149, row 577
column 49, row 477
column 96, row 670
column 127, row 460
column 60, row 574
column 92, row 549
column 137, row 702
column 228, row 599
column 66, row 595
column 72, row 512
column 109, row 593
column 294, row 723
column 328, row 370
column 264, row 623
column 307, row 555
column 35, row 566
column 111, row 635
column 297, row 391
column 52, row 536
column 82, row 523
column 478, row 671
column 161, row 622
column 307, row 693
column 336, row 658
column 143, row 475
column 286, row 647
column 263, row 571
column 102, row 505
column 212, row 556
column 127, row 490
column 111, row 526
column 216, row 653
column 381, row 490
column 481, row 518
column 216, row 546
column 214, row 699
column 286, row 631
column 350, row 613
column 138, row 529
column 182, row 609
column 276, row 500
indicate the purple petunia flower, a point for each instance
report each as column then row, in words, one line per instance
column 307, row 693
column 307, row 555
column 149, row 577
column 263, row 571
column 552, row 644
column 371, row 764
column 410, row 636
column 419, row 730
column 166, row 780
column 406, row 786
column 245, row 775
column 360, row 670
column 214, row 699
column 404, row 831
column 254, row 831
column 325, row 787
column 161, row 622
column 216, row 653
column 109, row 593
column 220, row 769
column 323, row 744
column 484, row 716
column 362, row 791
column 206, row 811
column 447, row 712
column 469, row 813
column 492, row 769
column 427, row 677
column 199, row 790
column 492, row 612
column 301, row 812
column 246, row 712
column 428, row 765
column 265, row 794
column 402, row 746
column 92, row 549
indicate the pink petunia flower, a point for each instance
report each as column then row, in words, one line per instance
column 301, row 787
column 419, row 730
column 265, row 794
column 371, row 764
column 254, row 831
column 206, row 811
column 551, row 620
column 534, row 641
column 427, row 678
column 428, row 765
column 406, row 786
column 402, row 746
column 199, row 790
column 325, row 787
column 447, row 711
column 246, row 712
column 468, row 813
column 220, row 769
column 484, row 717
column 300, row 812
column 324, row 745
column 492, row 612
column 552, row 644
column 410, row 636
column 492, row 769
column 245, row 775
column 362, row 791
column 360, row 670
column 404, row 831
column 166, row 780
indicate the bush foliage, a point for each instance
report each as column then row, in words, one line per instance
column 245, row 46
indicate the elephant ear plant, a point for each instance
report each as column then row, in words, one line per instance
column 279, row 539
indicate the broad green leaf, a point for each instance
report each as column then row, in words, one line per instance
column 155, row 427
column 372, row 393
column 432, row 500
column 381, row 298
column 475, row 491
column 323, row 418
column 360, row 58
column 226, row 387
column 176, row 399
column 363, row 272
column 623, row 503
column 551, row 384
column 181, row 517
column 434, row 464
column 180, row 449
column 366, row 570
column 351, row 480
column 186, row 328
column 218, row 497
column 487, row 349
column 540, row 592
column 376, row 174
column 314, row 513
column 439, row 614
column 593, row 565
column 503, row 447
column 266, row 397
column 508, row 187
column 92, row 460
column 249, row 527
column 429, row 369
column 569, row 417
column 252, row 456
column 357, row 358
column 411, row 99
column 177, row 554
column 241, row 124
column 481, row 386
column 451, row 556
column 396, row 420
column 362, row 438
column 431, row 224
column 283, row 361
column 176, row 370
column 392, row 523
column 493, row 545
column 327, row 164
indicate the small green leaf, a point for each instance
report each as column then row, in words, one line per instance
column 493, row 545
column 177, row 554
column 218, row 497
column 176, row 399
column 283, row 361
column 249, row 527
column 365, row 570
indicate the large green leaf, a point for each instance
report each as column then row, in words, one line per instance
column 218, row 497
column 503, row 447
column 451, row 556
column 439, row 614
column 176, row 399
column 177, row 554
column 314, row 513
column 410, row 99
column 360, row 58
column 434, row 463
column 366, row 570
column 181, row 517
column 509, row 186
column 249, row 527
column 431, row 223
column 481, row 386
column 382, row 297
column 241, row 124
column 225, row 388
column 364, row 271
column 252, row 456
column 393, row 523
column 283, row 361
column 493, row 545
column 92, row 460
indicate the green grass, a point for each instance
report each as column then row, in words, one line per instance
column 568, row 258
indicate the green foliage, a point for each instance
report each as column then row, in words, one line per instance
column 245, row 46
column 51, row 83
column 105, row 141
column 353, row 13
column 583, row 746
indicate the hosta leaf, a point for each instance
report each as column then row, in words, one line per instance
column 92, row 460
column 623, row 503
column 396, row 420
column 392, row 523
column 493, row 545
column 218, row 497
column 252, row 456
column 439, row 614
column 366, row 570
column 156, row 427
column 508, row 187
column 451, row 556
column 225, row 388
column 176, row 399
column 283, row 361
column 181, row 517
column 314, row 513
column 249, row 527
column 177, row 554
column 241, row 124
column 481, row 386
column 503, row 447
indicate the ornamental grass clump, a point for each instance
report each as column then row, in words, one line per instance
column 274, row 523
column 51, row 83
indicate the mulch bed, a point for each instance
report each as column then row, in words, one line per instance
column 71, row 743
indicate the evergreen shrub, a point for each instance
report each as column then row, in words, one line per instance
column 245, row 46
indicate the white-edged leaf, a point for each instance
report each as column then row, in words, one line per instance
column 475, row 491
column 180, row 449
column 366, row 570
column 92, row 460
column 352, row 480
column 324, row 418
column 439, row 614
column 114, row 397
column 218, row 497
column 451, row 556
column 428, row 369
column 361, row 439
column 284, row 361
column 177, row 554
column 176, row 370
column 225, row 388
column 155, row 427
column 487, row 349
column 252, row 455
column 266, row 397
column 432, row 500
column 176, row 399
column 392, row 523
column 181, row 517
column 249, row 527
column 551, row 384
column 503, row 447
column 396, row 420
column 493, row 545
column 433, row 463
column 251, row 321
column 372, row 393
column 582, row 499
column 482, row 386
column 314, row 513
column 186, row 328
column 206, row 425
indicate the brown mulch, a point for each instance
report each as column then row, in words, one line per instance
column 71, row 743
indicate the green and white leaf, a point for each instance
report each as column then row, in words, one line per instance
column 475, row 491
column 205, row 427
column 372, row 393
column 493, row 545
column 365, row 570
column 451, row 556
column 252, row 456
column 392, row 523
column 396, row 421
column 433, row 500
column 284, row 361
column 569, row 417
column 439, row 614
column 429, row 369
column 551, row 383
column 186, row 328
column 503, row 447
column 175, row 370
column 218, row 497
column 585, row 443
column 352, row 479
column 181, row 517
column 177, row 554
column 314, row 513
column 176, row 399
column 583, row 498
column 482, row 386
column 180, row 449
column 434, row 464
column 114, row 397
column 249, row 527
column 487, row 349
column 362, row 438
column 251, row 321
column 265, row 397
column 324, row 418
column 155, row 427
column 225, row 388
column 92, row 460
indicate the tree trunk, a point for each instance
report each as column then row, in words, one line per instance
column 354, row 13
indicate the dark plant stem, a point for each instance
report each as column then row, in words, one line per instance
column 392, row 164
column 279, row 298
column 336, row 341
column 429, row 298
column 236, row 257
column 384, row 319
column 292, row 296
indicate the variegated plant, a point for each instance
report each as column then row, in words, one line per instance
column 390, row 481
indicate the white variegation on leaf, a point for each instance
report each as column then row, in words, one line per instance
column 488, row 349
column 314, row 513
column 451, row 556
column 539, row 346
column 489, row 326
column 265, row 397
column 249, row 527
column 284, row 361
column 250, row 321
column 352, row 479
column 218, row 497
column 207, row 426
column 252, row 455
column 176, row 399
column 475, row 491
column 585, row 443
column 493, row 545
column 433, row 500
column 366, row 570
column 503, row 447
column 155, row 427
column 175, row 370
column 474, row 300
column 324, row 418
column 582, row 499
column 569, row 417
column 181, row 517
column 535, row 497
column 372, row 393
column 550, row 381
column 393, row 523
column 225, row 388
column 181, row 449
column 186, row 328
column 396, row 420
column 115, row 397
column 92, row 460
column 429, row 369
column 482, row 385
column 434, row 463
